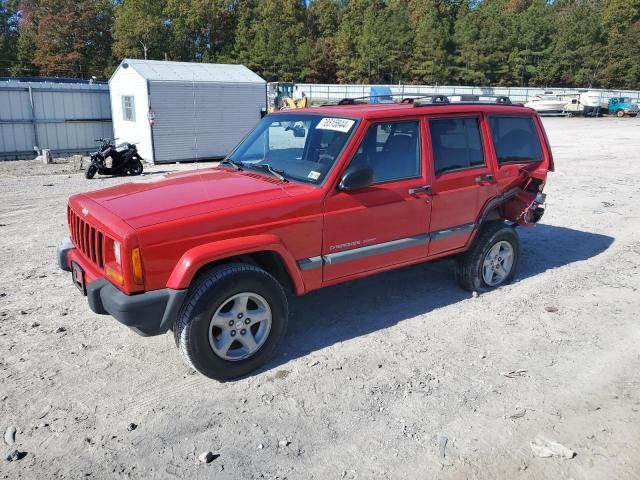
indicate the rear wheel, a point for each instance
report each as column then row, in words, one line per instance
column 491, row 261
column 90, row 171
column 136, row 169
column 233, row 321
column 620, row 113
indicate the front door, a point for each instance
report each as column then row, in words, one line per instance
column 463, row 179
column 386, row 223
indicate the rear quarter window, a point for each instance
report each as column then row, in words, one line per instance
column 515, row 139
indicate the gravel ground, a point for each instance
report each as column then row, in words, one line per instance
column 397, row 376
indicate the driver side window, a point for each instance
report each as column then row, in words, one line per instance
column 392, row 150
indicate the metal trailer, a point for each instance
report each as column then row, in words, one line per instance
column 64, row 116
column 179, row 111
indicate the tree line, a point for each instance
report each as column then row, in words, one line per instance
column 576, row 43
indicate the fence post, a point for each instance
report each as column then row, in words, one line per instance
column 33, row 118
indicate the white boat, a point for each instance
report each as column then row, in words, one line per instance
column 547, row 103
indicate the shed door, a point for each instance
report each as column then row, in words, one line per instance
column 202, row 120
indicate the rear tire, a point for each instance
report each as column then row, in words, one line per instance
column 491, row 261
column 215, row 332
column 620, row 113
column 136, row 169
column 90, row 171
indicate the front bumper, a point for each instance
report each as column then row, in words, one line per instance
column 148, row 313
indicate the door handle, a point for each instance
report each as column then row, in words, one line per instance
column 484, row 178
column 423, row 189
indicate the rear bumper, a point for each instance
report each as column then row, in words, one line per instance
column 148, row 313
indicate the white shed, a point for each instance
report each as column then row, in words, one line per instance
column 179, row 111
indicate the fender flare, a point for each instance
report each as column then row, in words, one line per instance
column 487, row 209
column 197, row 257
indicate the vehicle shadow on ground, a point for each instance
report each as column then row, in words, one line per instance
column 339, row 313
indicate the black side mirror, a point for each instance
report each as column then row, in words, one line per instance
column 298, row 132
column 356, row 177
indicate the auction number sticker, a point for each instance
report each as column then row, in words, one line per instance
column 338, row 124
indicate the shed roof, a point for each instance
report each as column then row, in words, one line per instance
column 155, row 70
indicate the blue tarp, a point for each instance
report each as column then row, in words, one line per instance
column 380, row 95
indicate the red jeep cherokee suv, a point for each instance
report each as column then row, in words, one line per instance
column 310, row 198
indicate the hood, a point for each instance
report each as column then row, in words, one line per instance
column 175, row 196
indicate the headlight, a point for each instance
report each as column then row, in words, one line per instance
column 116, row 251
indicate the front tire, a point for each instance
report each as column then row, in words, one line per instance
column 90, row 171
column 620, row 113
column 492, row 261
column 232, row 322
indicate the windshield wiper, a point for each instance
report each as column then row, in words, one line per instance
column 279, row 174
column 235, row 164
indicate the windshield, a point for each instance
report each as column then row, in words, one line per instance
column 299, row 147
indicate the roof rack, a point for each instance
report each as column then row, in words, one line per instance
column 466, row 99
column 433, row 99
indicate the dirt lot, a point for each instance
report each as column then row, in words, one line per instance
column 393, row 377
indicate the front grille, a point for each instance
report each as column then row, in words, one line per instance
column 89, row 240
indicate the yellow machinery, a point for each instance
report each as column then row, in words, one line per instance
column 281, row 96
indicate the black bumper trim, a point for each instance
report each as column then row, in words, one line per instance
column 150, row 313
column 64, row 247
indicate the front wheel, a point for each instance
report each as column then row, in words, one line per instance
column 232, row 322
column 620, row 113
column 91, row 170
column 491, row 261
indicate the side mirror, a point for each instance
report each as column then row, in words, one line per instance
column 298, row 132
column 356, row 177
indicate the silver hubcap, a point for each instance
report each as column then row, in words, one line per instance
column 240, row 326
column 497, row 263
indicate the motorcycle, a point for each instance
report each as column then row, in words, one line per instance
column 125, row 159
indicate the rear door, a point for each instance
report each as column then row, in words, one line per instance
column 386, row 223
column 463, row 178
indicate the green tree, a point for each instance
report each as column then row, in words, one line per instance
column 271, row 38
column 621, row 24
column 201, row 30
column 8, row 34
column 534, row 29
column 373, row 41
column 141, row 30
column 576, row 55
column 485, row 40
column 26, row 42
column 323, row 17
column 431, row 57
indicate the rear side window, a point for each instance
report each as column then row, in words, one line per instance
column 515, row 139
column 456, row 144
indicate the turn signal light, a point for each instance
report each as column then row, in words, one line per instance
column 113, row 274
column 136, row 265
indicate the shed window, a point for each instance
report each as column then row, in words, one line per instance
column 128, row 109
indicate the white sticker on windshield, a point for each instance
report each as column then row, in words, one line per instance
column 337, row 124
column 313, row 175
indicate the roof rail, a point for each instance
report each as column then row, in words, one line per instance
column 433, row 99
column 428, row 100
column 363, row 99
